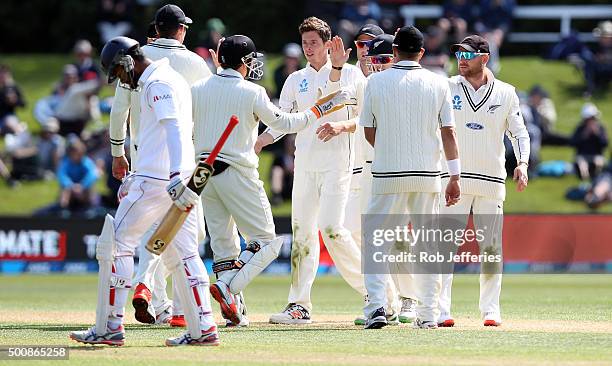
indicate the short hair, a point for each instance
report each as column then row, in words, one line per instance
column 317, row 25
column 407, row 55
column 167, row 33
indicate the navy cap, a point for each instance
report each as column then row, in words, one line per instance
column 233, row 48
column 170, row 16
column 371, row 30
column 381, row 45
column 409, row 39
column 472, row 43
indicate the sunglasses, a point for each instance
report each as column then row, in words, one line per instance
column 467, row 55
column 362, row 44
column 381, row 59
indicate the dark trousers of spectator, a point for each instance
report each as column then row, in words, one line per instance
column 25, row 168
column 75, row 126
column 554, row 139
column 597, row 75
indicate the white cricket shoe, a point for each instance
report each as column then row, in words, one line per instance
column 420, row 324
column 209, row 337
column 408, row 310
column 242, row 311
column 89, row 336
column 293, row 314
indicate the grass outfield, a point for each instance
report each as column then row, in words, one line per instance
column 36, row 74
column 548, row 320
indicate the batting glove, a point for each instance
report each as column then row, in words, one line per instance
column 333, row 102
column 183, row 197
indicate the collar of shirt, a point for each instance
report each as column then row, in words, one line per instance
column 149, row 70
column 327, row 66
column 231, row 73
column 407, row 63
column 168, row 43
column 490, row 79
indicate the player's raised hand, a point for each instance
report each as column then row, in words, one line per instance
column 520, row 177
column 453, row 191
column 120, row 167
column 337, row 54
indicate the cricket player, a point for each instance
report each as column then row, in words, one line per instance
column 408, row 120
column 150, row 301
column 234, row 197
column 165, row 159
column 374, row 54
column 485, row 109
column 323, row 171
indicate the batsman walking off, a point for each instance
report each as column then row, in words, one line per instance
column 165, row 159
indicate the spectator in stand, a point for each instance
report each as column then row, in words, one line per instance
column 598, row 65
column 10, row 96
column 435, row 58
column 590, row 140
column 77, row 175
column 457, row 17
column 86, row 67
column 354, row 15
column 494, row 22
column 215, row 29
column 51, row 148
column 282, row 172
column 69, row 104
column 114, row 18
column 21, row 150
column 601, row 189
column 291, row 63
column 545, row 116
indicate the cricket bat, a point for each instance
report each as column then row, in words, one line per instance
column 174, row 218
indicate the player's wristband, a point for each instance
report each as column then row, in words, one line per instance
column 454, row 167
column 337, row 68
column 523, row 163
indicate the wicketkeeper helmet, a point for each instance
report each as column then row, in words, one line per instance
column 118, row 54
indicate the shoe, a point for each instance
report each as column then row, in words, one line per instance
column 178, row 321
column 221, row 293
column 164, row 317
column 492, row 319
column 141, row 301
column 111, row 338
column 491, row 323
column 377, row 320
column 209, row 337
column 293, row 314
column 408, row 311
column 447, row 323
column 420, row 324
column 242, row 310
column 392, row 319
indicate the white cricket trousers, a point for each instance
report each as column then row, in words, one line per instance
column 145, row 204
column 490, row 283
column 357, row 205
column 232, row 199
column 426, row 286
column 318, row 203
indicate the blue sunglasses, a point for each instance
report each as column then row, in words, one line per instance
column 467, row 55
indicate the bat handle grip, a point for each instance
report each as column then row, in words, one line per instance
column 228, row 130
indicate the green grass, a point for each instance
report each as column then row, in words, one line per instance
column 38, row 73
column 548, row 320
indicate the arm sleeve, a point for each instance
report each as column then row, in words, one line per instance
column 366, row 117
column 517, row 132
column 120, row 111
column 278, row 120
column 92, row 174
column 287, row 104
column 173, row 139
column 447, row 119
column 62, row 174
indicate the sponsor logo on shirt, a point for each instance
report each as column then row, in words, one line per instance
column 457, row 102
column 493, row 107
column 161, row 97
column 474, row 126
column 303, row 87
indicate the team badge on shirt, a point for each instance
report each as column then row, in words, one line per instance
column 303, row 86
column 457, row 102
column 493, row 107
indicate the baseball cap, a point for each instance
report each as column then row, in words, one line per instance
column 381, row 45
column 589, row 110
column 170, row 16
column 370, row 30
column 473, row 43
column 233, row 48
column 408, row 39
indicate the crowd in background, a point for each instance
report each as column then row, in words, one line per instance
column 72, row 146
